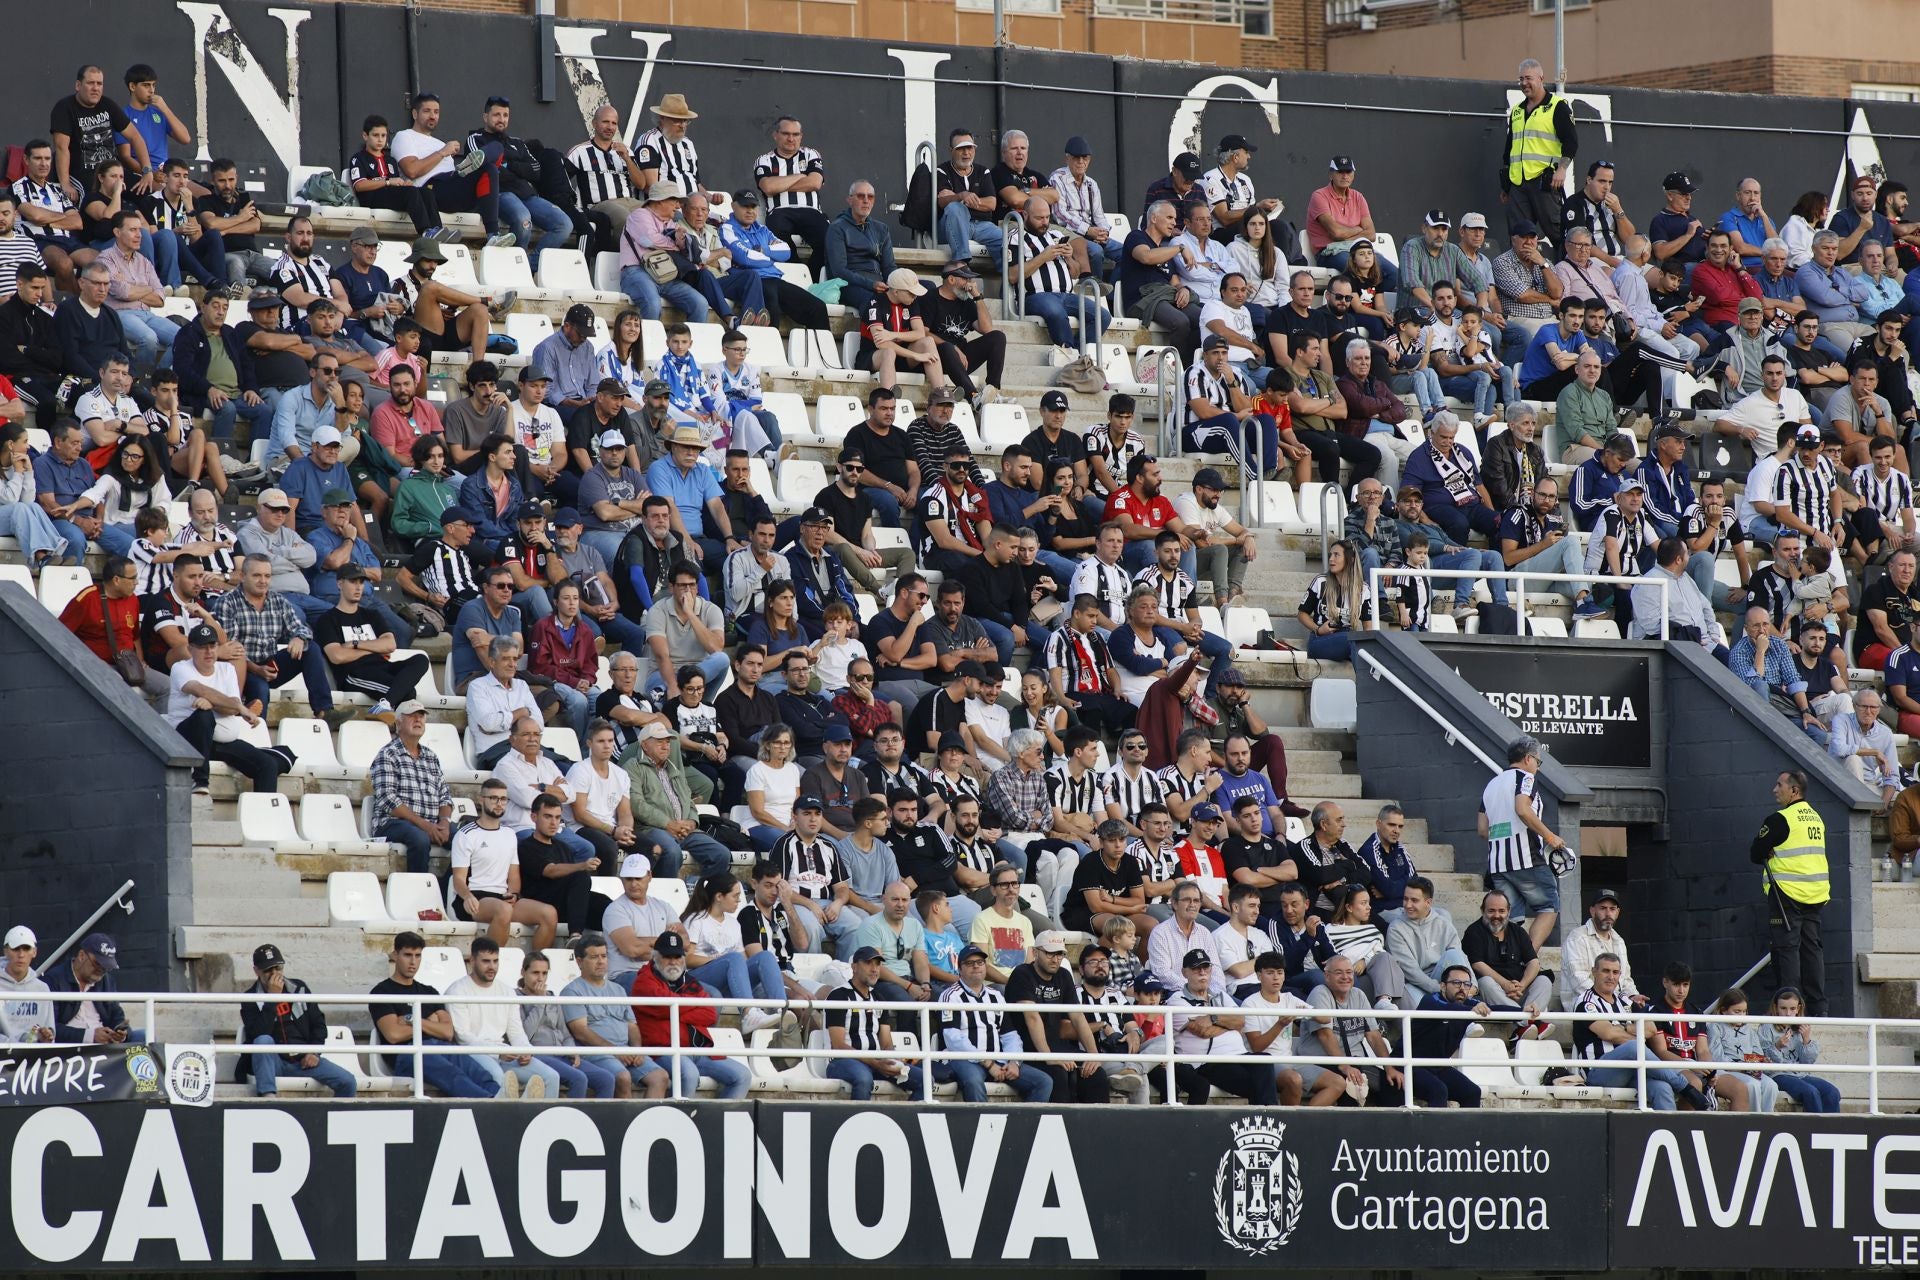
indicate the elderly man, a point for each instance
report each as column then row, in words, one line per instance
column 278, row 642
column 1050, row 261
column 1535, row 535
column 498, row 700
column 1526, row 287
column 1503, row 958
column 683, row 631
column 699, row 512
column 134, row 291
column 663, row 807
column 966, row 200
column 1831, row 293
column 1427, row 260
column 1689, row 616
column 1866, row 747
column 860, row 250
column 1450, row 482
column 412, row 805
column 653, row 228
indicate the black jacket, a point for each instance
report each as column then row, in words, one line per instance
column 193, row 351
column 998, row 595
column 1501, row 469
column 519, row 167
column 288, row 1020
column 60, row 978
column 28, row 348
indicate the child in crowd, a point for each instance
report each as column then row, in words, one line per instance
column 1416, row 594
column 836, row 649
column 1409, row 366
column 405, row 350
column 740, row 387
column 1789, row 1039
column 1743, row 1042
column 1119, row 937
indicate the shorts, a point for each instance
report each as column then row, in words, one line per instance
column 447, row 340
column 1309, row 1074
column 480, row 895
column 1529, row 892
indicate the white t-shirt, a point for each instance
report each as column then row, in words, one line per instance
column 1235, row 947
column 781, row 787
column 411, row 144
column 487, row 856
column 1213, row 519
column 1441, row 336
column 1260, row 1022
column 1238, row 320
column 603, row 794
column 715, row 937
column 831, row 666
column 98, row 406
column 180, row 702
column 541, row 432
column 1759, row 482
column 992, row 718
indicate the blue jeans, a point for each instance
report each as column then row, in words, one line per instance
column 744, row 290
column 576, row 707
column 534, row 604
column 1104, row 259
column 649, row 297
column 1662, row 1083
column 116, row 539
column 523, row 216
column 501, row 1070
column 269, row 1067
column 1812, row 1093
column 204, row 259
column 259, row 416
column 588, row 1080
column 419, row 844
column 769, row 980
column 857, row 1074
column 76, row 541
column 149, row 338
column 1477, row 388
column 1762, row 530
column 606, row 541
column 886, row 508
column 1032, row 1084
column 1425, row 385
column 1059, row 311
column 958, row 225
column 840, row 932
column 727, row 976
column 1002, row 637
column 1058, row 565
column 1449, row 958
column 36, row 531
column 711, row 856
column 456, row 1075
column 732, row 1077
column 1486, row 561
column 311, row 667
column 713, row 666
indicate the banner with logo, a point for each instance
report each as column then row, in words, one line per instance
column 78, row 1075
column 1591, row 707
column 1786, row 1194
column 618, row 1185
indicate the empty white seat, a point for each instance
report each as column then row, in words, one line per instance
column 885, row 536
column 360, row 742
column 1275, row 507
column 458, row 270
column 608, row 887
column 354, row 897
column 427, row 692
column 1483, row 1060
column 1442, row 623
column 564, row 968
column 528, row 329
column 330, row 820
column 512, row 961
column 1244, row 623
column 606, row 272
column 790, row 411
column 1540, row 626
column 59, row 584
column 441, row 966
column 834, row 416
column 408, row 894
column 505, row 267
column 444, row 741
column 800, row 479
column 764, row 347
column 1596, row 629
column 761, row 479
column 1312, row 504
column 1332, row 704
column 562, row 741
column 267, row 818
column 1003, row 424
column 706, row 342
column 565, row 272
column 311, row 742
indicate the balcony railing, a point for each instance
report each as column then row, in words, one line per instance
column 1222, row 12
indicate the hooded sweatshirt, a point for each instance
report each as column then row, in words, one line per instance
column 1419, row 944
column 20, row 1013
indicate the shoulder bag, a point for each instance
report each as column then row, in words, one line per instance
column 665, row 266
column 128, row 662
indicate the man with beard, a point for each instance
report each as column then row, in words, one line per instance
column 1223, row 546
column 1142, row 511
column 1533, row 534
column 925, row 857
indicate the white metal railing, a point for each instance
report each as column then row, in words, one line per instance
column 1518, row 578
column 1013, row 261
column 119, row 898
column 1380, row 672
column 1162, row 1058
column 1224, row 12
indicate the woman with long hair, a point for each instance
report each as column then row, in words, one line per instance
column 625, row 357
column 1808, row 216
column 1355, row 935
column 21, row 516
column 1369, row 285
column 1040, row 710
column 1264, row 266
column 1743, row 1042
column 772, row 785
column 778, row 627
column 716, row 952
column 1788, row 1037
column 546, row 1028
column 132, row 481
column 1335, row 606
column 1065, row 528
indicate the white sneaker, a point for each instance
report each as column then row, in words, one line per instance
column 510, row 1086
column 536, row 1089
column 1387, row 1005
column 754, row 1019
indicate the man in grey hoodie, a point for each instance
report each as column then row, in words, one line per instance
column 23, row 1019
column 1424, row 941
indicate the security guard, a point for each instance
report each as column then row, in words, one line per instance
column 1541, row 143
column 1792, row 849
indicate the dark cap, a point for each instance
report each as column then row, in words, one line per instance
column 267, row 956
column 567, row 518
column 530, row 511
column 1208, row 478
column 851, row 453
column 837, row 732
column 866, row 953
column 1077, row 146
column 533, row 374
column 951, row 741
column 1214, row 342
column 336, row 498
column 1607, row 895
column 815, row 515
column 203, row 637
column 1236, row 142
column 264, row 296
column 809, row 802
column 1148, row 985
column 747, row 196
column 656, row 387
column 350, row 572
column 670, row 945
column 1232, row 676
column 959, row 270
column 1666, row 431
column 1198, row 958
column 102, row 948
column 1678, row 181
column 1205, row 813
column 1521, row 229
column 1438, row 218
column 579, row 315
column 970, row 669
column 941, row 395
column 1054, row 400
column 363, row 235
column 457, row 515
column 1807, row 437
column 1187, row 165
column 970, row 952
column 1340, row 164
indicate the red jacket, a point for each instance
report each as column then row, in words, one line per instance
column 1367, row 403
column 548, row 654
column 694, row 1018
column 1723, row 287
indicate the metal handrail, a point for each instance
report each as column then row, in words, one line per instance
column 1329, row 494
column 1013, row 259
column 1087, row 291
column 927, row 1051
column 116, row 900
column 923, row 153
column 1380, row 672
column 1519, row 578
column 1166, row 398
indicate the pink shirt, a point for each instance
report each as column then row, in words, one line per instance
column 128, row 278
column 1351, row 211
column 397, row 433
column 645, row 230
column 384, row 362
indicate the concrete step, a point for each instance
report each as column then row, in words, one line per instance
column 1308, row 789
column 209, row 909
column 213, row 833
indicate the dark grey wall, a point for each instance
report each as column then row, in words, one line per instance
column 97, row 791
column 1696, row 896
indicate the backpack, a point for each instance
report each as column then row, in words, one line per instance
column 1083, row 375
column 917, row 213
column 327, row 190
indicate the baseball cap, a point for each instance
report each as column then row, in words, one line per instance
column 866, row 953
column 1807, row 437
column 567, row 518
column 350, row 572
column 1233, row 676
column 1052, row 942
column 670, row 945
column 1678, row 181
column 1469, row 221
column 808, row 802
column 649, row 732
column 1438, row 218
column 1205, row 813
column 837, row 732
column 959, row 270
column 1632, row 484
column 970, row 669
column 1213, row 343
column 1667, row 431
column 267, row 956
column 335, row 497
column 363, row 235
column 852, row 453
column 942, row 395
column 1341, row 164
column 456, row 515
column 656, row 387
column 275, row 499
column 1148, row 985
column 747, row 196
column 638, row 866
column 1522, row 229
column 1208, row 478
column 903, row 279
column 263, row 297
column 1750, row 304
column 1198, row 958
column 1607, row 895
column 968, row 952
column 579, row 315
column 102, row 948
column 203, row 637
column 21, row 936
column 530, row 511
column 326, row 435
column 612, row 440
column 1865, row 179
column 1187, row 165
column 1054, row 400
column 951, row 741
column 531, row 374
column 815, row 515
column 411, row 707
column 1236, row 142
column 1077, row 146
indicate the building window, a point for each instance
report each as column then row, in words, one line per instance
column 1257, row 19
column 1048, row 7
column 1886, row 92
column 1546, row 6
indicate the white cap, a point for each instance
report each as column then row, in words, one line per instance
column 636, row 867
column 326, row 435
column 21, row 936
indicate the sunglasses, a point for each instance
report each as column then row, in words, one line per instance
column 271, row 507
column 861, row 679
column 852, row 468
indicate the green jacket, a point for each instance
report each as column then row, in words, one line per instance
column 417, row 507
column 649, row 799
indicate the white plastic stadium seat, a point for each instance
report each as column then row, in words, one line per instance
column 1541, row 626
column 789, row 409
column 564, row 272
column 266, row 818
column 836, row 415
column 1003, row 424
column 354, row 897
column 1310, row 508
column 562, row 741
column 1332, row 704
column 1596, row 629
column 311, row 742
column 1277, row 509
column 440, row 967
column 330, row 820
column 764, row 347
column 762, row 481
column 19, row 575
column 360, row 742
column 800, row 479
column 59, row 584
column 564, row 968
column 444, row 741
column 408, row 894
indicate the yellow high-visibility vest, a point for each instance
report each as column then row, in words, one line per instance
column 1535, row 148
column 1799, row 866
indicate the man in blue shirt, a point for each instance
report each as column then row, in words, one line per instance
column 1748, row 223
column 154, row 120
column 1861, row 221
column 1548, row 365
column 567, row 358
column 61, row 476
column 1011, row 501
column 1239, row 778
column 1675, row 233
column 690, row 484
column 307, row 479
column 336, row 544
column 303, row 411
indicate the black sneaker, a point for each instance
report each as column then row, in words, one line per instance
column 1696, row 1099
